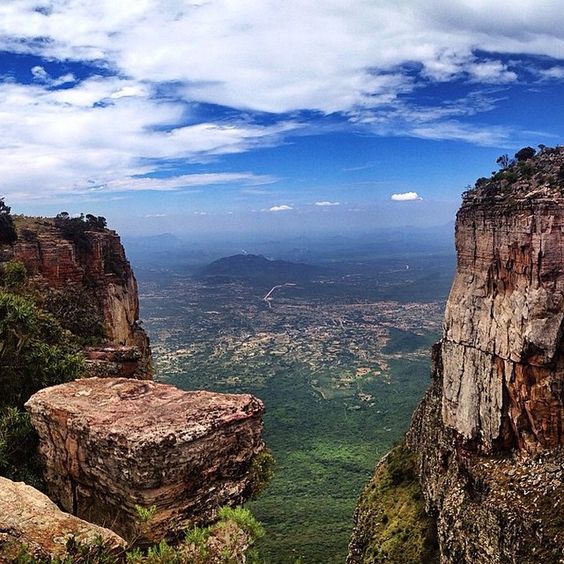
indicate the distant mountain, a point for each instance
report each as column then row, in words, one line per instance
column 257, row 268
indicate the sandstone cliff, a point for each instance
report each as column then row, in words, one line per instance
column 488, row 436
column 87, row 271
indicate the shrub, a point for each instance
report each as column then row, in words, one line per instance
column 75, row 228
column 7, row 229
column 13, row 275
column 262, row 470
column 35, row 351
column 77, row 311
column 525, row 153
column 19, row 460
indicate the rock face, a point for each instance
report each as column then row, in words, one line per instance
column 502, row 350
column 110, row 444
column 30, row 520
column 92, row 266
column 488, row 435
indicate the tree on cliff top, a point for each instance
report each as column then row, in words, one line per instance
column 7, row 230
column 525, row 154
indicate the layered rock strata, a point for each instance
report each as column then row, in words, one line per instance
column 92, row 267
column 31, row 523
column 488, row 437
column 111, row 444
column 502, row 350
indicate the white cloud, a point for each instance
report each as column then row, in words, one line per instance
column 329, row 56
column 553, row 73
column 270, row 56
column 41, row 75
column 327, row 204
column 406, row 197
column 57, row 143
column 282, row 207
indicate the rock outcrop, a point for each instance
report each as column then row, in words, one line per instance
column 90, row 267
column 488, row 435
column 111, row 444
column 31, row 524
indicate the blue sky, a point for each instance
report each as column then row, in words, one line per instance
column 242, row 115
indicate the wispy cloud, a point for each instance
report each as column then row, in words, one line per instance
column 326, row 204
column 281, row 208
column 406, row 197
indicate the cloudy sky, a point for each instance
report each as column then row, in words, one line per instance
column 184, row 116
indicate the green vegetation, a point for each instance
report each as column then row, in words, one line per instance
column 75, row 228
column 229, row 540
column 262, row 471
column 392, row 524
column 525, row 154
column 78, row 312
column 325, row 450
column 7, row 230
column 35, row 352
column 12, row 275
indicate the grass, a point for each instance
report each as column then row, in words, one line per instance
column 392, row 524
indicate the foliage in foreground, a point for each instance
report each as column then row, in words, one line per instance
column 228, row 541
column 392, row 524
column 35, row 352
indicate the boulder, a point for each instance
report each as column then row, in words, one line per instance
column 111, row 445
column 31, row 523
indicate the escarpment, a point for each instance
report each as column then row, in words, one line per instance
column 86, row 280
column 111, row 444
column 488, row 436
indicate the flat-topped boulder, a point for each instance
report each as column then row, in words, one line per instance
column 31, row 522
column 111, row 444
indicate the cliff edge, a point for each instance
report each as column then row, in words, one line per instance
column 487, row 438
column 80, row 269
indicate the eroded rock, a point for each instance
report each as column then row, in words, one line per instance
column 110, row 444
column 488, row 437
column 31, row 522
column 93, row 267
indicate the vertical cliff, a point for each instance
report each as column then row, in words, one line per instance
column 86, row 270
column 488, row 436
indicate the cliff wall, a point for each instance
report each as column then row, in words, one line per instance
column 488, row 436
column 89, row 267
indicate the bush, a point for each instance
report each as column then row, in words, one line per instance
column 75, row 228
column 525, row 153
column 7, row 229
column 13, row 275
column 262, row 470
column 19, row 459
column 77, row 311
column 35, row 351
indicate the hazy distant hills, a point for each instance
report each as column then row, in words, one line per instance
column 257, row 268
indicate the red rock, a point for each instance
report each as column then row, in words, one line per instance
column 503, row 346
column 98, row 267
column 30, row 520
column 112, row 444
